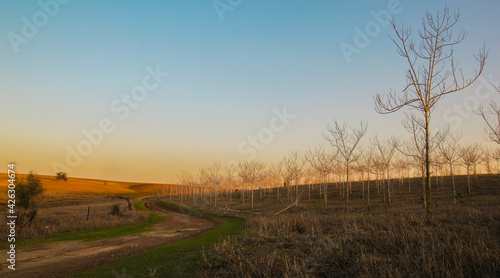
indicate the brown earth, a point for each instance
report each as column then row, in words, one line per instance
column 60, row 259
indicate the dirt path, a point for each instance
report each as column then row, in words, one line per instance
column 60, row 259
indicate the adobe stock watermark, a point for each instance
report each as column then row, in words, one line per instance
column 460, row 111
column 265, row 136
column 122, row 108
column 363, row 37
column 223, row 6
column 40, row 19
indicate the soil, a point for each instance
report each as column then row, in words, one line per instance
column 61, row 259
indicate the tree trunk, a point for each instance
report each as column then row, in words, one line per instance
column 427, row 167
column 388, row 187
column 368, row 188
column 468, row 180
column 347, row 192
column 453, row 183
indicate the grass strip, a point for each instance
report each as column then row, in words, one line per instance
column 94, row 234
column 178, row 259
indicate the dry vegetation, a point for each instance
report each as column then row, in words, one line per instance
column 376, row 240
column 64, row 206
column 68, row 213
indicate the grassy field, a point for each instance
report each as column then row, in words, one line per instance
column 372, row 240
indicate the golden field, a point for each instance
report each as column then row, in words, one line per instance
column 83, row 186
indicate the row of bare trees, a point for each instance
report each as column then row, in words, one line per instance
column 348, row 159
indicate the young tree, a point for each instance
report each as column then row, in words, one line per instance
column 469, row 155
column 294, row 164
column 346, row 142
column 322, row 162
column 491, row 117
column 432, row 73
column 215, row 176
column 276, row 171
column 386, row 152
column 230, row 179
column 251, row 172
column 450, row 151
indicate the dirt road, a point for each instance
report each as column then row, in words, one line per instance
column 60, row 259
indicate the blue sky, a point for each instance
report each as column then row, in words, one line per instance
column 226, row 77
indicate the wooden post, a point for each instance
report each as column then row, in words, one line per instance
column 88, row 213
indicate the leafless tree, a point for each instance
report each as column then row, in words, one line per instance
column 215, row 177
column 294, row 164
column 369, row 163
column 386, row 151
column 322, row 161
column 433, row 72
column 276, row 171
column 251, row 172
column 469, row 155
column 486, row 159
column 346, row 141
column 450, row 151
column 495, row 154
column 229, row 179
column 491, row 117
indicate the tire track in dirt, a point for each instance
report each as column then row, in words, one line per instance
column 61, row 259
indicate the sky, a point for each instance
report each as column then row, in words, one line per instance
column 140, row 90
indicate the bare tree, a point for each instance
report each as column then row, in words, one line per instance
column 294, row 164
column 322, row 161
column 486, row 159
column 276, row 171
column 250, row 171
column 215, row 176
column 450, row 151
column 469, row 155
column 491, row 117
column 433, row 72
column 386, row 152
column 495, row 154
column 230, row 179
column 369, row 163
column 346, row 141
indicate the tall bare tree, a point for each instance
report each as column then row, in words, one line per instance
column 346, row 141
column 432, row 74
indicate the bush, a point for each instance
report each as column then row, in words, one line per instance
column 28, row 192
column 61, row 176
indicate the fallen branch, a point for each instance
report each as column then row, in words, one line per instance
column 243, row 211
column 294, row 204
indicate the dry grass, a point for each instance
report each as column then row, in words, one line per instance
column 68, row 213
column 376, row 240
